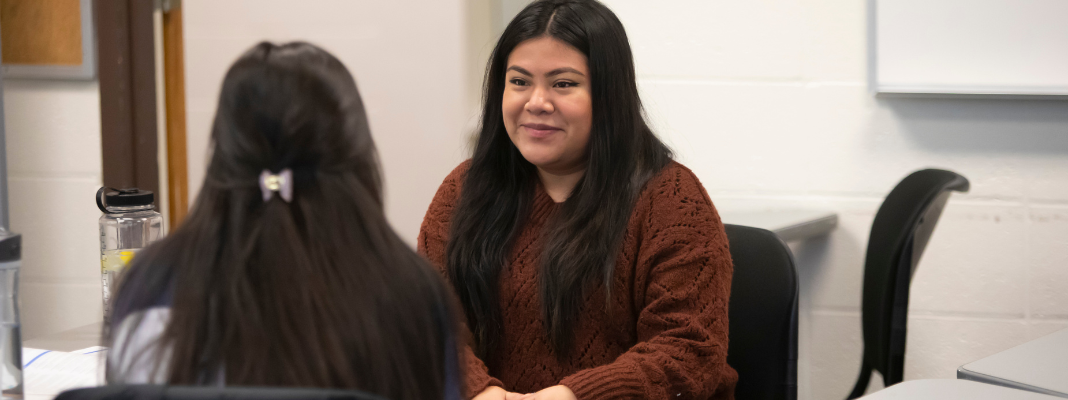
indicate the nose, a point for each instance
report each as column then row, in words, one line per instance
column 540, row 102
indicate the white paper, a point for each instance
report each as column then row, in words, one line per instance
column 47, row 373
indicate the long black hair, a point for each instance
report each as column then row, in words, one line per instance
column 581, row 244
column 318, row 291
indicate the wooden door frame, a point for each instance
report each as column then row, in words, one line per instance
column 127, row 74
column 128, row 103
column 174, row 83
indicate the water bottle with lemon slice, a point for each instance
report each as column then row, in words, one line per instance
column 128, row 225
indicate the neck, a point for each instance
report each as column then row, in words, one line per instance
column 560, row 184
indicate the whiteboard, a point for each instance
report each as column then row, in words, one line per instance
column 969, row 47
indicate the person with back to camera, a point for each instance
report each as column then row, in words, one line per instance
column 589, row 264
column 286, row 272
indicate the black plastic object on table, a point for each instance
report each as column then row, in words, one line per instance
column 110, row 197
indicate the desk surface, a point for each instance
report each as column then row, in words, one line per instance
column 787, row 224
column 68, row 340
column 952, row 389
column 1040, row 365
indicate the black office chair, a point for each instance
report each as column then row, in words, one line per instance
column 161, row 392
column 899, row 235
column 763, row 315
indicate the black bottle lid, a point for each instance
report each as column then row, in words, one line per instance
column 109, row 197
column 10, row 246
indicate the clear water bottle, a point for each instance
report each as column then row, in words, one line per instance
column 10, row 332
column 128, row 225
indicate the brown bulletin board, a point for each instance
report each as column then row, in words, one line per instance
column 44, row 32
column 47, row 39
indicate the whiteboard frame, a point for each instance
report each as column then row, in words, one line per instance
column 943, row 91
column 85, row 71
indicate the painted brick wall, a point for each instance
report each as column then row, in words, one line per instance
column 409, row 60
column 418, row 92
column 54, row 170
column 766, row 100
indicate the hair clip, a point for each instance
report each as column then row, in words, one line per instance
column 281, row 183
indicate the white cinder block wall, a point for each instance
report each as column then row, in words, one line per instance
column 766, row 100
column 409, row 60
column 54, row 170
column 411, row 66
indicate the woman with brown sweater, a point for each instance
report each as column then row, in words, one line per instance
column 589, row 264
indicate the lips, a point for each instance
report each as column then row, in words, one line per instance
column 540, row 130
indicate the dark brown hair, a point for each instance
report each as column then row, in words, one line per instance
column 316, row 292
column 582, row 242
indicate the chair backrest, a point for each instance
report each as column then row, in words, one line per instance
column 763, row 315
column 161, row 392
column 899, row 234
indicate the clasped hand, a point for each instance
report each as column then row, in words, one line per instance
column 558, row 392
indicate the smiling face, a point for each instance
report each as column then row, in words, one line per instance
column 546, row 104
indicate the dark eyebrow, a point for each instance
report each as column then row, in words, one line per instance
column 559, row 71
column 520, row 70
column 554, row 72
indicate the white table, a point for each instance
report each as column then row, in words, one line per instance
column 787, row 224
column 1040, row 365
column 951, row 389
column 69, row 340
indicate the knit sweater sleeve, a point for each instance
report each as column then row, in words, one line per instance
column 433, row 236
column 682, row 286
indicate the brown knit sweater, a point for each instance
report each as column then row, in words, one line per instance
column 666, row 335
